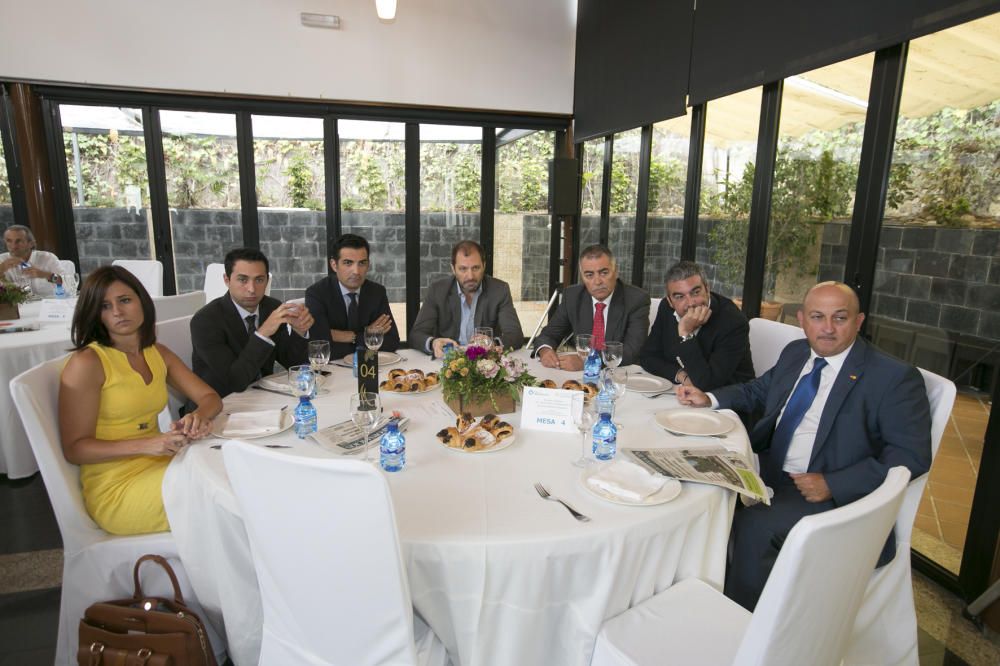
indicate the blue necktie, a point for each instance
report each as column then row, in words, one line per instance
column 796, row 407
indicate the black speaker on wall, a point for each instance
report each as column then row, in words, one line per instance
column 564, row 191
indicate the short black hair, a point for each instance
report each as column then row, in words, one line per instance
column 352, row 241
column 467, row 247
column 87, row 326
column 245, row 254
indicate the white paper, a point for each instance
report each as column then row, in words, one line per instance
column 57, row 309
column 550, row 410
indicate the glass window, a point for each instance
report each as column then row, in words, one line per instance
column 522, row 225
column 373, row 201
column 593, row 178
column 6, row 207
column 291, row 200
column 624, row 188
column 203, row 191
column 665, row 219
column 936, row 302
column 726, row 184
column 108, row 183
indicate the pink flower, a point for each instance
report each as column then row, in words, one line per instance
column 487, row 367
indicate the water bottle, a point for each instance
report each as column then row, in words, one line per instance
column 606, row 399
column 592, row 367
column 355, row 366
column 605, row 438
column 60, row 290
column 305, row 418
column 393, row 449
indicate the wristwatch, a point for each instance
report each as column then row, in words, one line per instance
column 53, row 278
column 689, row 336
column 354, row 337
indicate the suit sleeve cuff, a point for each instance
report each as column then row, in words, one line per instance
column 264, row 338
column 715, row 403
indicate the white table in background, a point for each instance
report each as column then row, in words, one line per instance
column 500, row 575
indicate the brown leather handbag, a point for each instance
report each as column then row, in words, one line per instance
column 141, row 630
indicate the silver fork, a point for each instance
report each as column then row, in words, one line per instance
column 540, row 489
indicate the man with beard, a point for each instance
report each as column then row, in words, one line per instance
column 455, row 306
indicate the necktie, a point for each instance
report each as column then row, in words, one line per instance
column 251, row 323
column 352, row 312
column 796, row 407
column 597, row 340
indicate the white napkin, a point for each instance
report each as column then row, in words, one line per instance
column 241, row 424
column 627, row 480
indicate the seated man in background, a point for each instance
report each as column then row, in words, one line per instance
column 237, row 337
column 603, row 306
column 346, row 304
column 698, row 338
column 455, row 306
column 22, row 259
column 837, row 415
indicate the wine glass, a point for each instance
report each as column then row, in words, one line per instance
column 366, row 410
column 612, row 353
column 70, row 283
column 302, row 380
column 584, row 420
column 483, row 337
column 584, row 341
column 319, row 354
column 373, row 339
column 615, row 382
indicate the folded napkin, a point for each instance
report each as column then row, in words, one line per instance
column 241, row 424
column 627, row 480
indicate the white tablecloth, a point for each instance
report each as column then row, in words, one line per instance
column 20, row 352
column 500, row 575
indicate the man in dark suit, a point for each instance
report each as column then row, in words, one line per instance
column 837, row 415
column 698, row 338
column 237, row 337
column 346, row 304
column 602, row 306
column 455, row 306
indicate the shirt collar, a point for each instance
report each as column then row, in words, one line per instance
column 344, row 291
column 244, row 313
column 606, row 301
column 836, row 361
column 475, row 294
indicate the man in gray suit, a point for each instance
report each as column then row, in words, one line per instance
column 455, row 306
column 603, row 306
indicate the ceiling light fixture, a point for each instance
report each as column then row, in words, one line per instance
column 806, row 84
column 386, row 9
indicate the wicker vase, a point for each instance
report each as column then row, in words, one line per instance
column 504, row 405
column 9, row 311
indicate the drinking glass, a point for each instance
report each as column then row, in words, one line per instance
column 612, row 353
column 373, row 339
column 302, row 380
column 584, row 421
column 70, row 283
column 615, row 381
column 319, row 354
column 366, row 410
column 483, row 337
column 583, row 345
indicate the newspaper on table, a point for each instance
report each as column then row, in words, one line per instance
column 715, row 465
column 345, row 437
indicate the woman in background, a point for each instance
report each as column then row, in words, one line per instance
column 111, row 391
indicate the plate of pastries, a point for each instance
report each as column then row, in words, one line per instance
column 589, row 388
column 471, row 435
column 410, row 381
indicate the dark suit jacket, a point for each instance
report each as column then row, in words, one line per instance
column 440, row 315
column 229, row 359
column 718, row 356
column 326, row 303
column 626, row 319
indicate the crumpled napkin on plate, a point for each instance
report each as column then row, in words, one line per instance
column 627, row 480
column 264, row 422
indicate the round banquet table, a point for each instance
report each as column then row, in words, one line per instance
column 500, row 575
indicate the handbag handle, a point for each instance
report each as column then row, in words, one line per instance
column 178, row 598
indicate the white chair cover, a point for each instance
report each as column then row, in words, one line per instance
column 215, row 284
column 175, row 334
column 148, row 271
column 804, row 615
column 326, row 551
column 767, row 339
column 885, row 631
column 654, row 307
column 66, row 266
column 97, row 566
column 171, row 307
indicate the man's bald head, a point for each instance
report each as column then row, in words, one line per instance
column 831, row 317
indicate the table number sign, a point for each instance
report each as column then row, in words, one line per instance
column 548, row 409
column 367, row 371
column 57, row 309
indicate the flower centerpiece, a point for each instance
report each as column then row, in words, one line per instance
column 483, row 381
column 11, row 296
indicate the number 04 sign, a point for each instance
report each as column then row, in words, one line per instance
column 548, row 409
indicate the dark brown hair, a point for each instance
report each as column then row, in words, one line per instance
column 87, row 325
column 467, row 247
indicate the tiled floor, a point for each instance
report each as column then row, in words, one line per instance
column 31, row 567
column 943, row 515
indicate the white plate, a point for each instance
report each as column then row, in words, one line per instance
column 496, row 447
column 219, row 425
column 384, row 359
column 279, row 382
column 693, row 421
column 649, row 384
column 670, row 490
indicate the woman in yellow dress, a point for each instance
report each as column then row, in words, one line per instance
column 112, row 390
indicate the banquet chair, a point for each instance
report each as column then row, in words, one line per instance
column 148, row 271
column 805, row 612
column 176, row 335
column 97, row 566
column 885, row 631
column 215, row 285
column 767, row 339
column 654, row 307
column 171, row 307
column 325, row 548
column 66, row 266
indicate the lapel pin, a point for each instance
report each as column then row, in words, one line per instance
column 853, row 377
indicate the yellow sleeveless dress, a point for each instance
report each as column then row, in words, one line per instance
column 124, row 496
